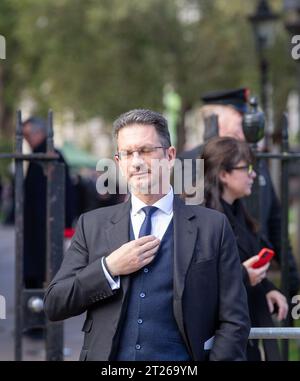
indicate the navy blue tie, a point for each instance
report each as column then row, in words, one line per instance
column 146, row 225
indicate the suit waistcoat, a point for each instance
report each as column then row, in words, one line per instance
column 149, row 330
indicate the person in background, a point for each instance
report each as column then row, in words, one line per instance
column 35, row 132
column 229, row 106
column 229, row 176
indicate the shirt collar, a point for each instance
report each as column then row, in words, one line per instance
column 165, row 204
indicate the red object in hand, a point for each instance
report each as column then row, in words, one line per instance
column 69, row 232
column 265, row 256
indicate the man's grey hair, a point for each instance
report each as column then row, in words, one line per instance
column 144, row 117
column 37, row 125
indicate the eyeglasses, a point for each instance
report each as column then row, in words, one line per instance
column 143, row 152
column 248, row 168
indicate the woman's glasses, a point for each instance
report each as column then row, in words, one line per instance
column 248, row 168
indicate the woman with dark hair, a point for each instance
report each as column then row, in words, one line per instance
column 229, row 176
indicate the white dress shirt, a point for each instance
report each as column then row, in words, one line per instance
column 160, row 221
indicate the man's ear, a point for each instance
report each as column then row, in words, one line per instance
column 119, row 166
column 171, row 155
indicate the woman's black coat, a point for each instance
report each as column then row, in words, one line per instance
column 249, row 244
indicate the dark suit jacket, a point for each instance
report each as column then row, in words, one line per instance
column 209, row 296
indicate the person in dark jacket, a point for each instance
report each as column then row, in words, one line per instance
column 229, row 107
column 229, row 176
column 35, row 132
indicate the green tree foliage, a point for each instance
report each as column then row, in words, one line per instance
column 10, row 78
column 103, row 57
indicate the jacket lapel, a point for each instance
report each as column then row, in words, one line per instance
column 185, row 235
column 117, row 234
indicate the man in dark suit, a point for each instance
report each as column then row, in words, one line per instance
column 159, row 280
column 229, row 107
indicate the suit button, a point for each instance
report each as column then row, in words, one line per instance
column 140, row 321
column 142, row 294
column 138, row 347
column 146, row 270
